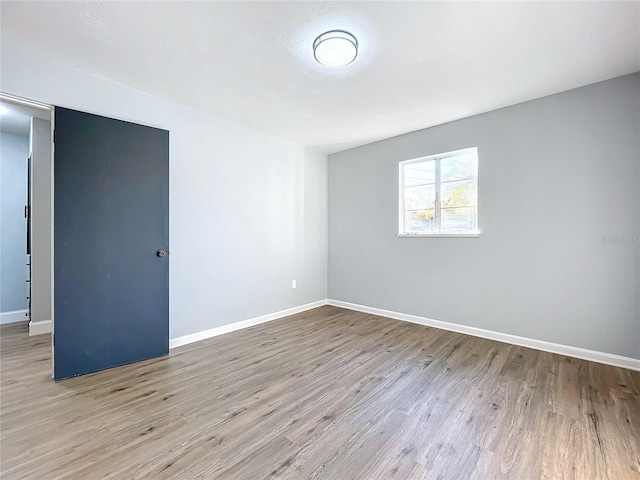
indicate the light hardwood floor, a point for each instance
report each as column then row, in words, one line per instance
column 325, row 394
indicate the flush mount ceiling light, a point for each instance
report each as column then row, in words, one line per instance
column 335, row 48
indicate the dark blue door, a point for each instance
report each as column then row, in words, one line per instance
column 111, row 228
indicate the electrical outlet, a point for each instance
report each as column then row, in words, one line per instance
column 294, row 284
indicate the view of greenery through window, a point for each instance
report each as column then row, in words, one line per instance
column 439, row 194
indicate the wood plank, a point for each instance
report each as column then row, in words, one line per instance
column 326, row 394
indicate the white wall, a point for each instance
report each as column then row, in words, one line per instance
column 248, row 211
column 559, row 208
column 14, row 289
column 40, row 142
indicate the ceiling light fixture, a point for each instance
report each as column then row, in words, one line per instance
column 335, row 48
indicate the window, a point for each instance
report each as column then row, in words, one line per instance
column 439, row 194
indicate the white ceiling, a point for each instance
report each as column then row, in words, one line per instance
column 420, row 63
column 14, row 120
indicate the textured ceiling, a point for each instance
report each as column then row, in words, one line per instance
column 420, row 63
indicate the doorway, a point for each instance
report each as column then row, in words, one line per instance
column 107, row 242
column 26, row 258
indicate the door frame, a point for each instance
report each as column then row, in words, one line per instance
column 44, row 111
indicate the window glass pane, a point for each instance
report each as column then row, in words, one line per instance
column 458, row 219
column 419, row 173
column 422, row 196
column 458, row 167
column 419, row 221
column 462, row 193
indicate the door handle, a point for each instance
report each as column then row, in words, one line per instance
column 161, row 253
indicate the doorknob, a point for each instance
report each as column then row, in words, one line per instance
column 161, row 253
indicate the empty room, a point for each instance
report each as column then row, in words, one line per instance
column 319, row 240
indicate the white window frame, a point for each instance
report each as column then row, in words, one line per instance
column 437, row 210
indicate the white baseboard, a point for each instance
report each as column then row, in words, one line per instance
column 14, row 316
column 584, row 354
column 232, row 327
column 40, row 327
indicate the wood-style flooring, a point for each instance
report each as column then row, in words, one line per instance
column 325, row 394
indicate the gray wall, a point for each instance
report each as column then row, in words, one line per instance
column 41, row 220
column 247, row 210
column 559, row 210
column 14, row 151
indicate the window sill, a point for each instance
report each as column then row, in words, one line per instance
column 438, row 235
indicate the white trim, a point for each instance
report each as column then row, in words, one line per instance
column 14, row 316
column 40, row 327
column 582, row 353
column 438, row 235
column 25, row 102
column 232, row 327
